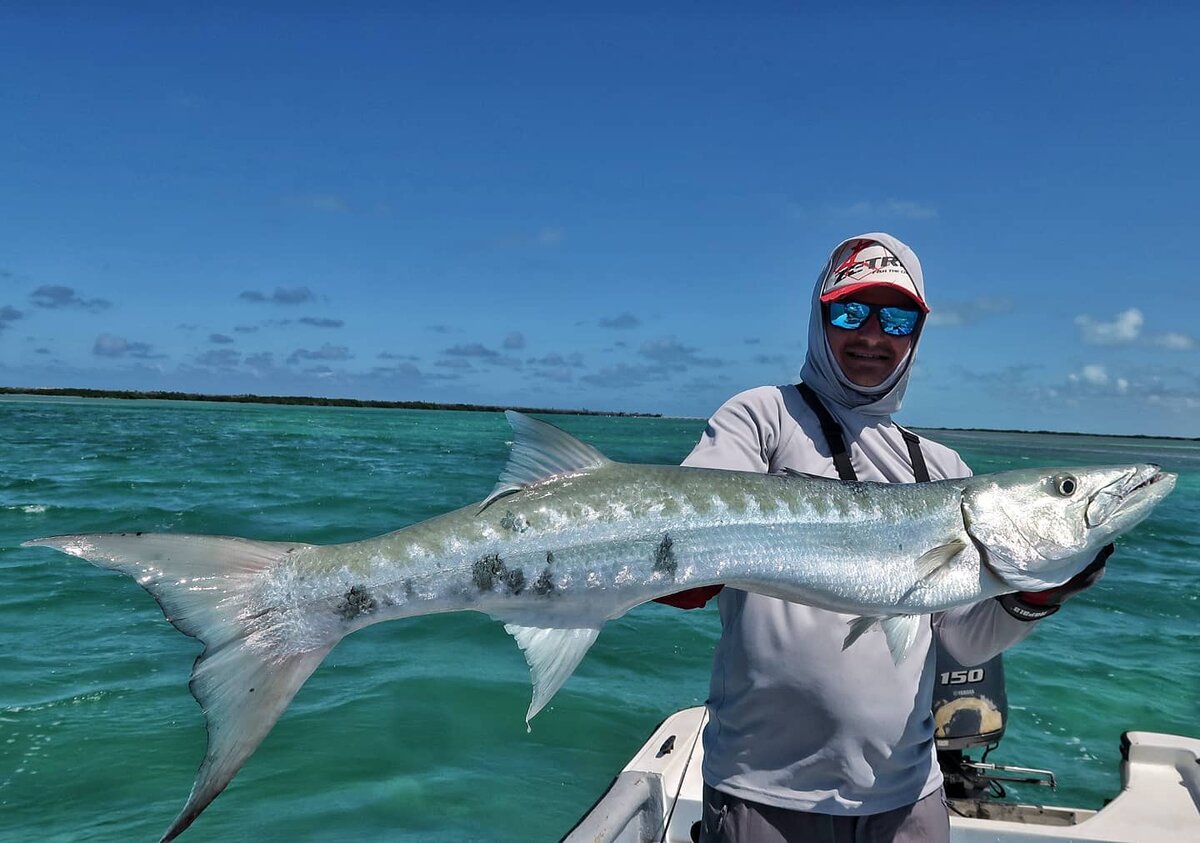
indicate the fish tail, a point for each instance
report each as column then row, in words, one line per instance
column 242, row 680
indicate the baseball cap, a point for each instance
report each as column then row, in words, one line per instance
column 865, row 263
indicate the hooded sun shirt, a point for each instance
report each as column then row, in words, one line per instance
column 821, row 370
column 794, row 721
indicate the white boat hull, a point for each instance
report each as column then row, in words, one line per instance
column 1159, row 802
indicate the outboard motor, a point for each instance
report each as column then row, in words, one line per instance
column 970, row 705
column 970, row 709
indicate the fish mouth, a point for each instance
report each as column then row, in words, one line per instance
column 1133, row 494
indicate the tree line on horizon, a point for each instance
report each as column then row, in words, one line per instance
column 304, row 400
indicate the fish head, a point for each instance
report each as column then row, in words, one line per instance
column 1037, row 528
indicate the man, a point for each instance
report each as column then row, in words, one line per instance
column 805, row 740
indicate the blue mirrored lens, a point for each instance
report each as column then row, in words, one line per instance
column 898, row 321
column 851, row 315
column 848, row 314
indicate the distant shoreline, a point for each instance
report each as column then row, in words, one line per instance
column 1057, row 433
column 301, row 400
column 313, row 401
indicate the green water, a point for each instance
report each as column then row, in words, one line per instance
column 415, row 730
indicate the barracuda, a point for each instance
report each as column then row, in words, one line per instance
column 569, row 540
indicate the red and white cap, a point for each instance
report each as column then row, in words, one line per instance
column 865, row 263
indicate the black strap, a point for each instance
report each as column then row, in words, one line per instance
column 832, row 431
column 920, row 470
column 837, row 442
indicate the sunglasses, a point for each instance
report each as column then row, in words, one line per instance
column 852, row 315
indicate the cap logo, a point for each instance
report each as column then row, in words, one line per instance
column 852, row 269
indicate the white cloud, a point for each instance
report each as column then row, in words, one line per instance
column 671, row 354
column 1094, row 374
column 219, row 358
column 107, row 345
column 626, row 376
column 1124, row 328
column 325, row 352
column 966, row 312
column 56, row 296
column 1175, row 342
column 1094, row 378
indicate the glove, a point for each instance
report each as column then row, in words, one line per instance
column 693, row 598
column 1035, row 605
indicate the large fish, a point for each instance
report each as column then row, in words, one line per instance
column 569, row 540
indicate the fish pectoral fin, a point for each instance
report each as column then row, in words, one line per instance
column 553, row 654
column 540, row 451
column 900, row 631
column 933, row 564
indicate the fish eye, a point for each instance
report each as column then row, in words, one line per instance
column 1065, row 485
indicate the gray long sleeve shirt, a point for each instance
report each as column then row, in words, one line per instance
column 795, row 721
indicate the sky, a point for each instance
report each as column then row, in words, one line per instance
column 598, row 206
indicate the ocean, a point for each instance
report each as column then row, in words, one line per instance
column 414, row 730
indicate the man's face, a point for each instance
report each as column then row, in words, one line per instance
column 868, row 355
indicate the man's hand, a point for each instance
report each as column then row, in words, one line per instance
column 1035, row 605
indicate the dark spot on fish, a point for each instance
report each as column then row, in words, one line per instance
column 252, row 690
column 139, row 533
column 514, row 580
column 544, row 584
column 514, row 521
column 290, row 549
column 664, row 556
column 357, row 601
column 487, row 570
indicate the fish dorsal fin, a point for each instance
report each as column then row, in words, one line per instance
column 553, row 654
column 541, row 451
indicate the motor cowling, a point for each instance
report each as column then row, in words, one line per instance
column 970, row 705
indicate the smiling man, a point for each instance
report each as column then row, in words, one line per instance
column 807, row 740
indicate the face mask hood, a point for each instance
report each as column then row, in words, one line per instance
column 821, row 371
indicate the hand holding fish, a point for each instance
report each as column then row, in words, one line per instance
column 1035, row 605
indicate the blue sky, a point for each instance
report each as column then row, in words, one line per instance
column 597, row 206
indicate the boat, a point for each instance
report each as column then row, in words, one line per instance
column 658, row 795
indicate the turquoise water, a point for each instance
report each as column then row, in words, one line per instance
column 415, row 730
